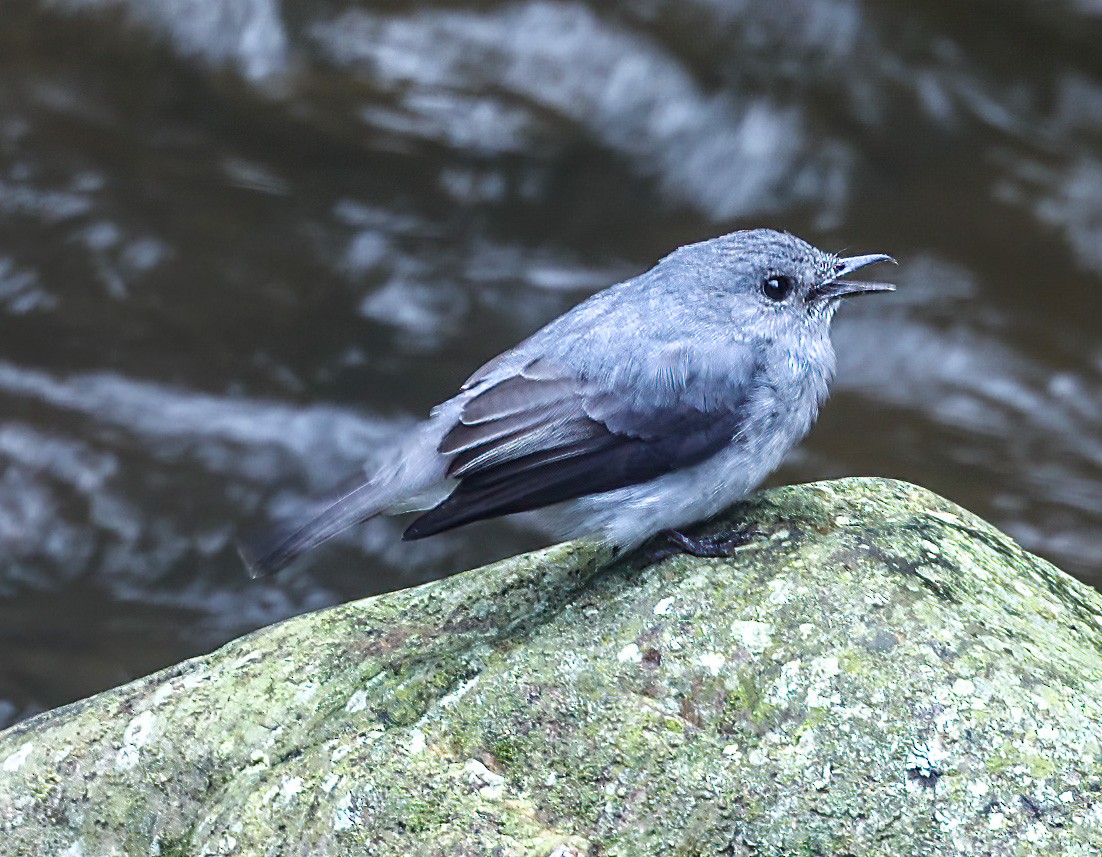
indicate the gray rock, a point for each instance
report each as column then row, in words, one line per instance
column 880, row 673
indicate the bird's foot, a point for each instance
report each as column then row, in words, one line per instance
column 718, row 545
column 722, row 544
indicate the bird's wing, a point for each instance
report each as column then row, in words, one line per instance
column 542, row 436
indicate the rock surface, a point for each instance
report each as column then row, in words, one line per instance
column 879, row 673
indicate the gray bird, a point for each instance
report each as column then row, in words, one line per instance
column 656, row 403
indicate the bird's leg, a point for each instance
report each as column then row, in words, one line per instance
column 721, row 544
column 715, row 546
column 654, row 552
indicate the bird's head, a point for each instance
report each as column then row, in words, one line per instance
column 777, row 280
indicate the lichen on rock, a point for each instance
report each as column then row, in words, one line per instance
column 878, row 673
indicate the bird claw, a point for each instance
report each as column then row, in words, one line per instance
column 722, row 544
column 716, row 546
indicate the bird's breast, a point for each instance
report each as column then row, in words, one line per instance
column 794, row 384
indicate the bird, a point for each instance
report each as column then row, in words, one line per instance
column 654, row 404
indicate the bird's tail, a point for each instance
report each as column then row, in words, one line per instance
column 399, row 477
column 269, row 550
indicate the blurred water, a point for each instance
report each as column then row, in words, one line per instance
column 242, row 242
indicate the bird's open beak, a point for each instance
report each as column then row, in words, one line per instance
column 836, row 287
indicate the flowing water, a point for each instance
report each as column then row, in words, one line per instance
column 243, row 242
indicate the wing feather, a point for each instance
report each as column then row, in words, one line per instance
column 537, row 438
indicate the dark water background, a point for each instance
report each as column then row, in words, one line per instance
column 242, row 242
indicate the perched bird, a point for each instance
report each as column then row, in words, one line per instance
column 655, row 403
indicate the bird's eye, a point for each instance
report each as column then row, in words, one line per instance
column 777, row 288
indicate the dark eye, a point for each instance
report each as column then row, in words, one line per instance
column 777, row 288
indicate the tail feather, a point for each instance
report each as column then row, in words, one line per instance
column 272, row 549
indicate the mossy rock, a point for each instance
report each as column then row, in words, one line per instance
column 878, row 673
